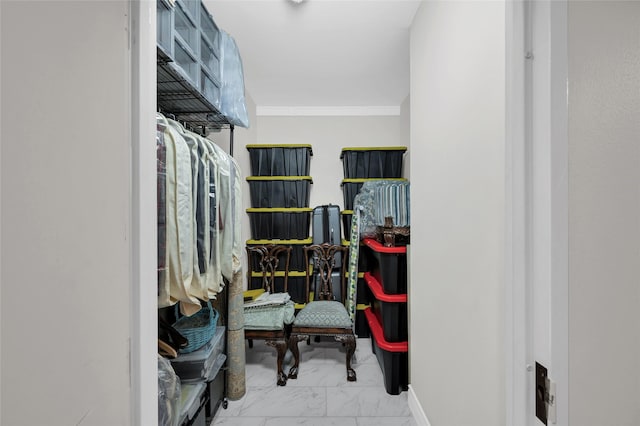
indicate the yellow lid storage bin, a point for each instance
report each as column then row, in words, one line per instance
column 373, row 161
column 280, row 223
column 279, row 191
column 280, row 160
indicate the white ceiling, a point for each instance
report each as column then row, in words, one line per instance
column 321, row 53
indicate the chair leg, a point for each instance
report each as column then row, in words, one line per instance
column 349, row 341
column 281, row 348
column 293, row 347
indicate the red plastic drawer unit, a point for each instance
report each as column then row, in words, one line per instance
column 392, row 357
column 390, row 266
column 390, row 309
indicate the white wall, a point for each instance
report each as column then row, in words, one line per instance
column 66, row 225
column 457, row 173
column 405, row 131
column 604, row 213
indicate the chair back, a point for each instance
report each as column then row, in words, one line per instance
column 267, row 258
column 324, row 261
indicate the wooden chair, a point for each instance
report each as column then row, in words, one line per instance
column 324, row 316
column 269, row 323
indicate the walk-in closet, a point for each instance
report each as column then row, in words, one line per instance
column 310, row 289
column 129, row 207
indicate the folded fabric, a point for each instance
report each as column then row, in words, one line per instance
column 269, row 317
column 267, row 298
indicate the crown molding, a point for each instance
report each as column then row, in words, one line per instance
column 314, row 111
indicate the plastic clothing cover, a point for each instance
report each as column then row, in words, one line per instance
column 161, row 159
column 238, row 248
column 169, row 390
column 179, row 225
column 198, row 221
column 224, row 194
column 232, row 100
column 378, row 199
column 214, row 277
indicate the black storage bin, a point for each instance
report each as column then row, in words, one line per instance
column 286, row 224
column 193, row 400
column 373, row 162
column 390, row 309
column 365, row 258
column 392, row 357
column 279, row 191
column 351, row 187
column 362, row 326
column 346, row 215
column 363, row 295
column 216, row 395
column 389, row 266
column 296, row 261
column 295, row 284
column 280, row 160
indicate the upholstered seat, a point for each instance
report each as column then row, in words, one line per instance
column 323, row 314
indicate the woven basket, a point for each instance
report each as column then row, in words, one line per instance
column 199, row 328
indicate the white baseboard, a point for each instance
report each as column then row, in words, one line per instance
column 416, row 409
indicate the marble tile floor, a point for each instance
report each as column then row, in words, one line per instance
column 321, row 396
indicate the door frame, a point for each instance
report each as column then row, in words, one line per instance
column 143, row 358
column 536, row 193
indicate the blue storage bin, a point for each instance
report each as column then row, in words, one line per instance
column 191, row 9
column 209, row 30
column 164, row 30
column 210, row 88
column 209, row 58
column 186, row 30
column 185, row 63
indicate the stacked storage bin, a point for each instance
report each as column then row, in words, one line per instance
column 279, row 190
column 188, row 42
column 387, row 316
column 360, row 164
column 201, row 376
column 188, row 54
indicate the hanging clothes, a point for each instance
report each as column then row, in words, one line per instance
column 225, row 196
column 200, row 218
column 161, row 160
column 214, row 280
column 179, row 223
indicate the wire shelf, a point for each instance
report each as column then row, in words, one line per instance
column 177, row 96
